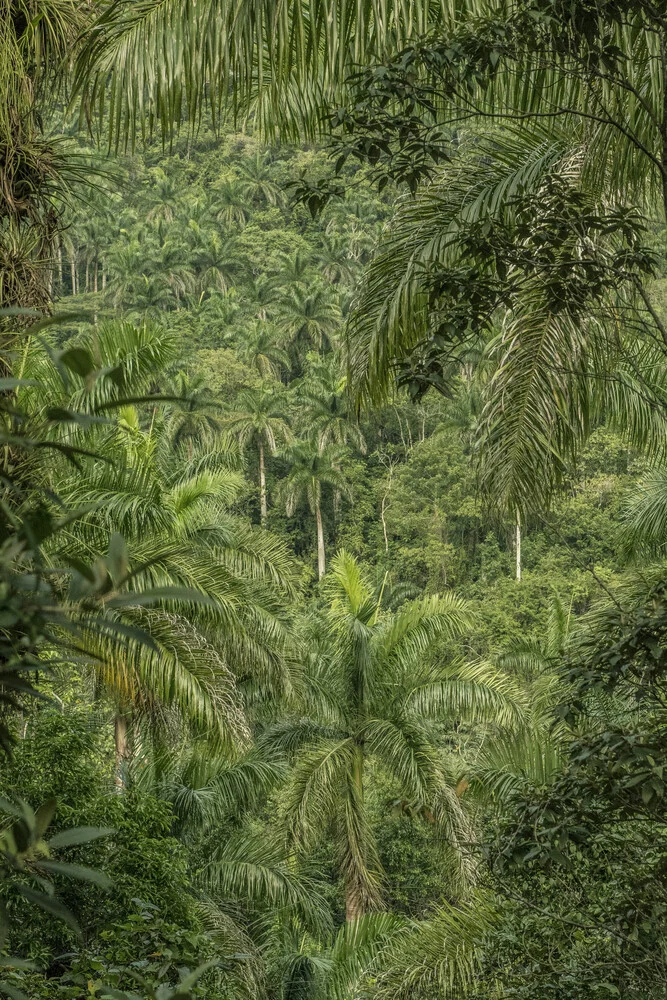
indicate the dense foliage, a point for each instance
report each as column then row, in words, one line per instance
column 333, row 618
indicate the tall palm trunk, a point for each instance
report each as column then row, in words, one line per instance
column 121, row 745
column 518, row 544
column 321, row 558
column 354, row 907
column 262, row 482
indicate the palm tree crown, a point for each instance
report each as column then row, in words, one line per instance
column 370, row 690
column 312, row 468
column 259, row 419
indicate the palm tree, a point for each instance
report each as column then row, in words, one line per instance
column 165, row 516
column 325, row 410
column 229, row 205
column 257, row 183
column 261, row 351
column 372, row 692
column 217, row 261
column 309, row 318
column 312, row 468
column 164, row 195
column 125, row 262
column 264, row 294
column 172, row 264
column 36, row 168
column 326, row 407
column 335, row 260
column 259, row 419
column 295, row 269
column 194, row 419
column 152, row 295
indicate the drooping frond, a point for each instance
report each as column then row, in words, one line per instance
column 438, row 956
column 645, row 514
column 471, row 691
column 405, row 749
column 164, row 60
column 418, row 624
column 358, row 950
column 318, row 781
column 259, row 872
column 205, row 788
column 183, row 671
column 519, row 761
column 391, row 314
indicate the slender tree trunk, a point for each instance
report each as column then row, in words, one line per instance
column 95, row 278
column 321, row 559
column 120, row 739
column 383, row 508
column 262, row 482
column 87, row 276
column 72, row 265
column 518, row 544
column 104, row 278
column 60, row 266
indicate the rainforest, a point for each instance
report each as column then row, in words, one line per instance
column 333, row 500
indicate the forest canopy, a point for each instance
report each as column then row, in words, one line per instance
column 333, row 401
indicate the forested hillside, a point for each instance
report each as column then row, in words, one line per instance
column 208, row 245
column 334, row 507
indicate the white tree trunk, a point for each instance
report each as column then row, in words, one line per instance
column 120, row 740
column 263, row 506
column 518, row 544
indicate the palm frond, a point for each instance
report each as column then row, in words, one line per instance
column 438, row 956
column 517, row 762
column 470, row 691
column 259, row 872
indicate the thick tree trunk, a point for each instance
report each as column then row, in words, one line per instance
column 354, row 907
column 263, row 506
column 120, row 739
column 321, row 558
column 518, row 544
